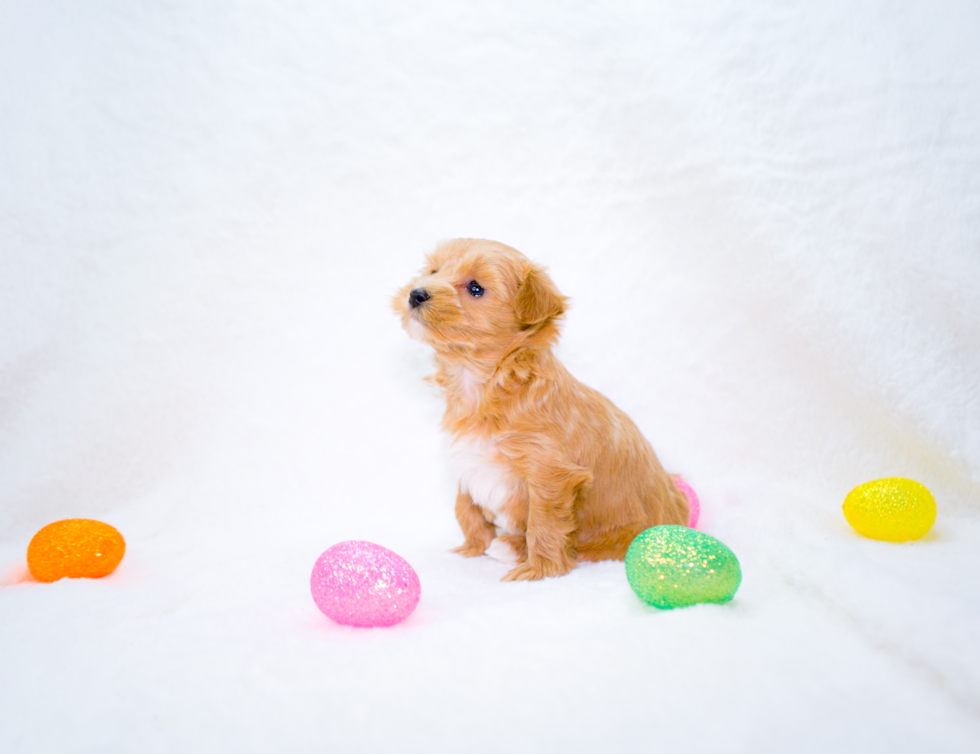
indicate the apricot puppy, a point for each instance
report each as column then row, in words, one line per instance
column 550, row 471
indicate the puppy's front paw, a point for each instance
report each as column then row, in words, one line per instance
column 534, row 569
column 470, row 549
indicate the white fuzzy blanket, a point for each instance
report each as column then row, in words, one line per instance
column 767, row 215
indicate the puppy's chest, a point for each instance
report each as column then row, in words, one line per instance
column 483, row 472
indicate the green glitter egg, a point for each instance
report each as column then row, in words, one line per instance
column 674, row 566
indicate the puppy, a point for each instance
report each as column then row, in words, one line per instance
column 550, row 471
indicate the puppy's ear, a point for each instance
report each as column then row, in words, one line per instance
column 537, row 298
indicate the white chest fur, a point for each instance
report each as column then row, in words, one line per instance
column 485, row 475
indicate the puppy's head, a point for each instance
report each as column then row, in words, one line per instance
column 479, row 298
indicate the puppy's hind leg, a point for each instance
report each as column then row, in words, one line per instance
column 478, row 531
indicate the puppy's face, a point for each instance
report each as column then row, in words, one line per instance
column 477, row 297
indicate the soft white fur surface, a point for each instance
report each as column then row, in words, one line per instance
column 767, row 216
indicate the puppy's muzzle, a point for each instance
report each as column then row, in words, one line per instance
column 418, row 297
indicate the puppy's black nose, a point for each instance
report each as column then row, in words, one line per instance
column 418, row 297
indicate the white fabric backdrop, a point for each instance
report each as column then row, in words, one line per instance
column 767, row 215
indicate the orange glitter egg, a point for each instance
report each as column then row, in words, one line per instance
column 76, row 548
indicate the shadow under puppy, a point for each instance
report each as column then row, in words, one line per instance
column 550, row 471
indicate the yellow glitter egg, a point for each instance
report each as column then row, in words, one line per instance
column 76, row 548
column 893, row 509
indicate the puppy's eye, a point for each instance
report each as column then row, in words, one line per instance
column 433, row 272
column 475, row 289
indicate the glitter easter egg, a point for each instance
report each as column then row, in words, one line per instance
column 364, row 584
column 76, row 548
column 893, row 509
column 693, row 504
column 674, row 566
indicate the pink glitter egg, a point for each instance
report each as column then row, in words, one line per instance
column 692, row 501
column 364, row 584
